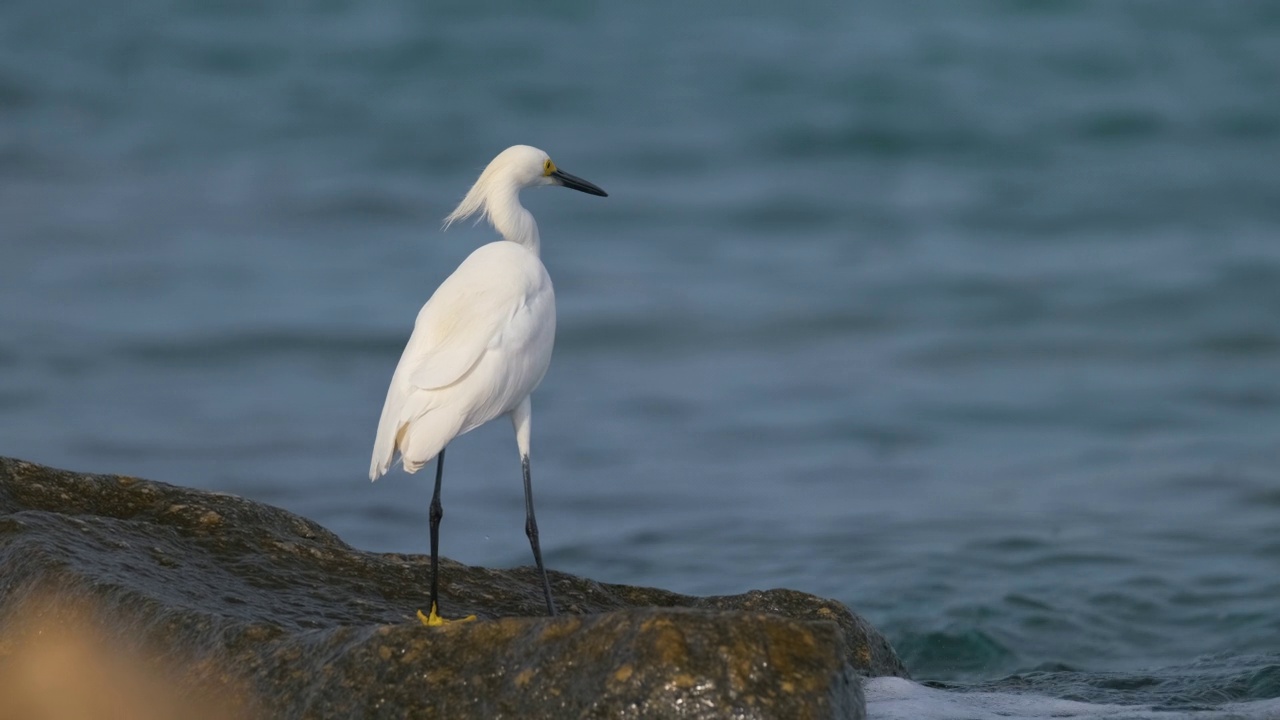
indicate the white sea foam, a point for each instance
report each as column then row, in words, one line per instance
column 897, row 699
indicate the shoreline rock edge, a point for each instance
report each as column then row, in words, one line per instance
column 248, row 610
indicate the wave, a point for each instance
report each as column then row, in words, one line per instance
column 898, row 699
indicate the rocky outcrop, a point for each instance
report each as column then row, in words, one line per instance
column 230, row 608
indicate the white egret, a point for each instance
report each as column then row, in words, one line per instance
column 480, row 345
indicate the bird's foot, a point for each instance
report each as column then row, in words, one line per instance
column 434, row 619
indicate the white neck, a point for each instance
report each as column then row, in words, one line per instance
column 511, row 220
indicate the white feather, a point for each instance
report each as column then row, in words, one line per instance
column 483, row 342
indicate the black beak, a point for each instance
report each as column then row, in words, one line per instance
column 577, row 183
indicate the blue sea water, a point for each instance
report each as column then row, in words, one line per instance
column 965, row 314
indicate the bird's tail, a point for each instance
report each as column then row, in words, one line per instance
column 390, row 427
column 419, row 431
column 384, row 450
column 424, row 438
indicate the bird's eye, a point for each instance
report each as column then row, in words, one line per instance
column 548, row 167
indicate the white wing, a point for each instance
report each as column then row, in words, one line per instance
column 468, row 315
column 456, row 326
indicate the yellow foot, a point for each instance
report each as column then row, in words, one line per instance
column 434, row 619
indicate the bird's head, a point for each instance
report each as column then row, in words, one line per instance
column 514, row 169
column 528, row 166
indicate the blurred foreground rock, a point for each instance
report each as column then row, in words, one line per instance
column 140, row 599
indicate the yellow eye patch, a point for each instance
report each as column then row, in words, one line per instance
column 548, row 167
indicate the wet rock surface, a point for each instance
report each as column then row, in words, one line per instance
column 251, row 611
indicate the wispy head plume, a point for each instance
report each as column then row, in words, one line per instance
column 495, row 195
column 474, row 202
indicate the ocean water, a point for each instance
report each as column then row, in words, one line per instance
column 965, row 314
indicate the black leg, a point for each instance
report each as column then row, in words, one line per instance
column 437, row 512
column 531, row 529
